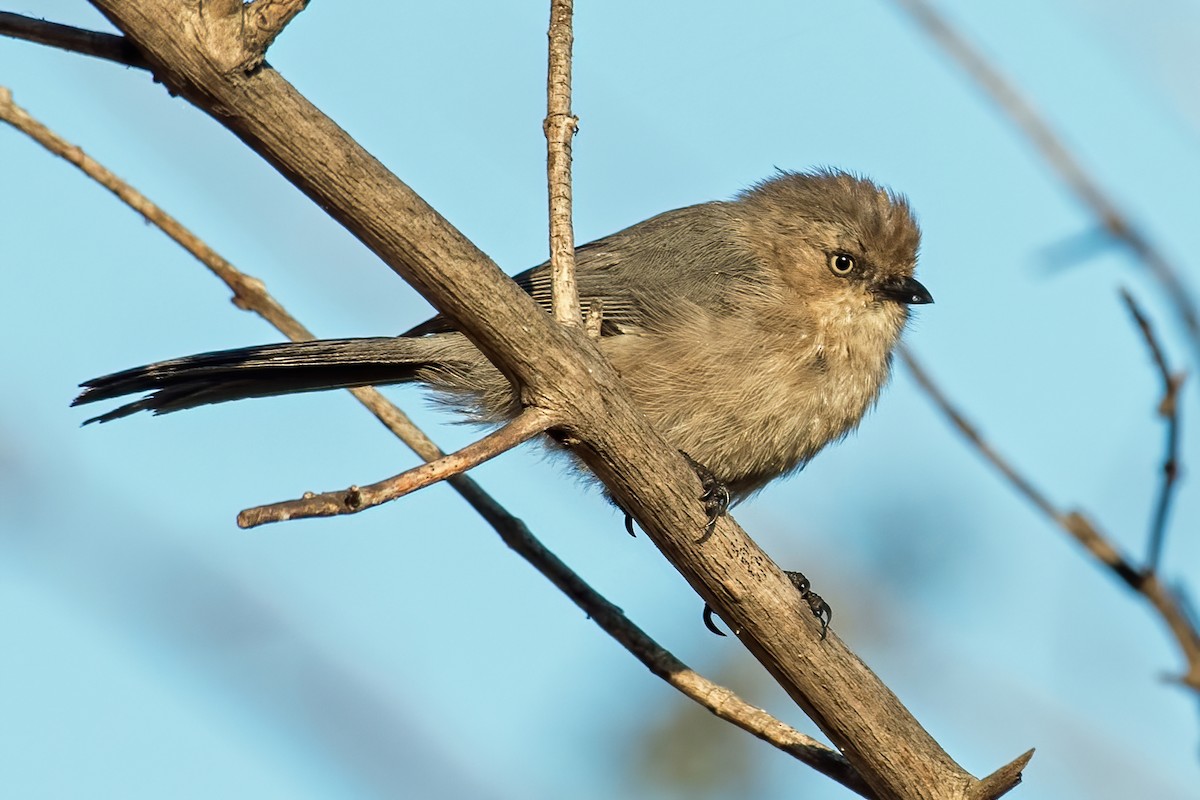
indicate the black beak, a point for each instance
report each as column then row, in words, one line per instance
column 908, row 291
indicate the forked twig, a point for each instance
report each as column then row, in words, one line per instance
column 1168, row 409
column 1170, row 605
column 1110, row 216
column 530, row 423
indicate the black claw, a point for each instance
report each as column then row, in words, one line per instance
column 816, row 603
column 709, row 622
column 716, row 504
column 629, row 524
column 798, row 580
column 821, row 611
column 716, row 495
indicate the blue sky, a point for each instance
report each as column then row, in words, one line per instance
column 153, row 649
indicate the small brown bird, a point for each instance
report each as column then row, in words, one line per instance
column 750, row 333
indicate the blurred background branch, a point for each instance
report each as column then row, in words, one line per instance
column 1060, row 159
column 1168, row 409
column 1170, row 604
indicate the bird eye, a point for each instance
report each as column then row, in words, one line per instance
column 841, row 264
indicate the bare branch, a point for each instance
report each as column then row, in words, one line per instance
column 530, row 423
column 249, row 293
column 1168, row 409
column 559, row 127
column 76, row 40
column 1111, row 217
column 1169, row 604
column 1074, row 523
column 964, row 426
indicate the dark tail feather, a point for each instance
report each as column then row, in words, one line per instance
column 260, row 372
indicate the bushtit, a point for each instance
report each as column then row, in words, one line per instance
column 750, row 333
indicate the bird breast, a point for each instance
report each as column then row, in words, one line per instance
column 752, row 398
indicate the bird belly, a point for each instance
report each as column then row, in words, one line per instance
column 748, row 408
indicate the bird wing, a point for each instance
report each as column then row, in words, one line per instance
column 643, row 274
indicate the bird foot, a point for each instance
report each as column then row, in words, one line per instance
column 816, row 604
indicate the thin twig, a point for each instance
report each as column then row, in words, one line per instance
column 529, row 423
column 1168, row 409
column 559, row 127
column 1169, row 604
column 972, row 435
column 250, row 294
column 719, row 700
column 108, row 46
column 1111, row 217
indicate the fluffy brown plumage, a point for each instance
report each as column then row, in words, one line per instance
column 751, row 333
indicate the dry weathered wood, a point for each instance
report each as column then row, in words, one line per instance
column 556, row 368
